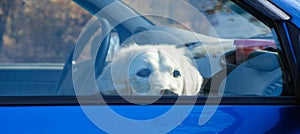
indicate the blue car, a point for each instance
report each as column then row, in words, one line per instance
column 54, row 57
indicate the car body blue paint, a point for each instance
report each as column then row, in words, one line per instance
column 71, row 119
column 291, row 7
column 44, row 119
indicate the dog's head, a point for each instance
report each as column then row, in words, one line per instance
column 155, row 70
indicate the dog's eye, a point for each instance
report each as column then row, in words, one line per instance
column 176, row 73
column 144, row 72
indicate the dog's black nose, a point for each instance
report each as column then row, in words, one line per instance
column 168, row 92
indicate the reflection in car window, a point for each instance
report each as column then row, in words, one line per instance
column 228, row 19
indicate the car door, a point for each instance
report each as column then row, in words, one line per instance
column 249, row 70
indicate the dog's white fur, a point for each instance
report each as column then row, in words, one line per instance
column 156, row 64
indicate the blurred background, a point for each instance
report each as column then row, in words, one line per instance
column 35, row 31
column 45, row 31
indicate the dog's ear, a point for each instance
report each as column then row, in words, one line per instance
column 114, row 78
column 192, row 79
column 109, row 85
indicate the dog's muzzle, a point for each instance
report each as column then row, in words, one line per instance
column 168, row 92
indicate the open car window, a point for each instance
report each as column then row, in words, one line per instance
column 138, row 48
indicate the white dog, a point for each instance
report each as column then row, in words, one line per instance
column 150, row 70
